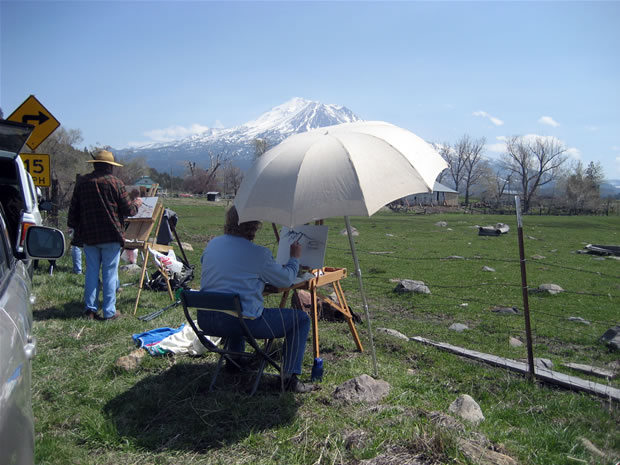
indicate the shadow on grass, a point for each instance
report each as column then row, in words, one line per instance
column 70, row 311
column 174, row 410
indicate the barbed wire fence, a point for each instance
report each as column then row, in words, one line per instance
column 567, row 332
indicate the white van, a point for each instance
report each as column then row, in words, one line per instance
column 18, row 194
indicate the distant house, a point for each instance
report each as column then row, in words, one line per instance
column 144, row 181
column 213, row 196
column 143, row 184
column 441, row 196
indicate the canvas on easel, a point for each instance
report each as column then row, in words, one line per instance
column 138, row 236
column 313, row 241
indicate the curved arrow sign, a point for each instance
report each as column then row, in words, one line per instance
column 33, row 112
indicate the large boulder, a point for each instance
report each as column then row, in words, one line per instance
column 466, row 408
column 362, row 389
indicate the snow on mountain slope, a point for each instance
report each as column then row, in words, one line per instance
column 237, row 143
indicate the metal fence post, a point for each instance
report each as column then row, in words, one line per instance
column 526, row 306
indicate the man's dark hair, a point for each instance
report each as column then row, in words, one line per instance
column 103, row 167
column 246, row 230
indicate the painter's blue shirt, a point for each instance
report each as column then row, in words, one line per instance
column 234, row 264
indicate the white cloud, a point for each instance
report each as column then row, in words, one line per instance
column 617, row 166
column 615, row 148
column 548, row 120
column 493, row 119
column 592, row 128
column 175, row 132
column 218, row 124
column 500, row 147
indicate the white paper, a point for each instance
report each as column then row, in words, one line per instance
column 313, row 241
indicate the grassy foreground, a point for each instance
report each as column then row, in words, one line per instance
column 87, row 411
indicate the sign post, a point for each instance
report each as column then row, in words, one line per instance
column 33, row 112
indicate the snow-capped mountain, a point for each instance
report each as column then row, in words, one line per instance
column 237, row 143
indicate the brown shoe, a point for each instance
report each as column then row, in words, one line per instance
column 292, row 384
column 90, row 315
column 116, row 316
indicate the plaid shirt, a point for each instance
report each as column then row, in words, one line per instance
column 98, row 209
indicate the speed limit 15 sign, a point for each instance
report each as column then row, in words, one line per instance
column 38, row 165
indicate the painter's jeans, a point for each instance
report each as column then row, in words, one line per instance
column 104, row 257
column 292, row 324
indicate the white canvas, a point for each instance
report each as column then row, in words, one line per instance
column 147, row 208
column 313, row 241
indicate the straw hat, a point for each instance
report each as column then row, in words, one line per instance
column 104, row 156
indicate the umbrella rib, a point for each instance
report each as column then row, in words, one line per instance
column 354, row 170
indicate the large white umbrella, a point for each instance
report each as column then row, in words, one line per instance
column 350, row 169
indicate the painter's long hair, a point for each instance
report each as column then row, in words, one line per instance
column 246, row 230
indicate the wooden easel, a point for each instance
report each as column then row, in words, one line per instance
column 138, row 236
column 323, row 277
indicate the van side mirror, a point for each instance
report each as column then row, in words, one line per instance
column 44, row 243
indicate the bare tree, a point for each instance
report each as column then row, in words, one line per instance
column 132, row 169
column 496, row 184
column 201, row 180
column 533, row 163
column 469, row 153
column 66, row 161
column 457, row 164
column 191, row 165
column 439, row 148
column 231, row 178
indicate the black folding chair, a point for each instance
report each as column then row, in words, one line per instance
column 204, row 301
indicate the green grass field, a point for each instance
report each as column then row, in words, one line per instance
column 89, row 412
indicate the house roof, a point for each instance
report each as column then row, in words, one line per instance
column 438, row 187
column 144, row 181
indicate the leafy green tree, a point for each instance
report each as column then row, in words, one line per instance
column 583, row 187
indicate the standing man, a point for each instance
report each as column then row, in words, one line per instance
column 98, row 210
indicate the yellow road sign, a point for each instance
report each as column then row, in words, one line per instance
column 38, row 165
column 33, row 112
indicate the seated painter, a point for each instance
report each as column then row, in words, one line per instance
column 233, row 263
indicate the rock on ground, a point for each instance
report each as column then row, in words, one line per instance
column 458, row 327
column 612, row 337
column 467, row 408
column 506, row 310
column 548, row 288
column 132, row 268
column 393, row 332
column 483, row 456
column 362, row 389
column 354, row 232
column 514, row 342
column 132, row 361
column 411, row 285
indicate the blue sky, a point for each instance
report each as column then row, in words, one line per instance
column 123, row 72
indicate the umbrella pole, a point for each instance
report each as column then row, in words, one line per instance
column 358, row 272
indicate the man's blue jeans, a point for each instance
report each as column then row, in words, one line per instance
column 292, row 324
column 105, row 257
